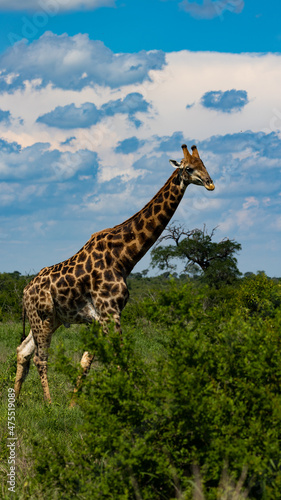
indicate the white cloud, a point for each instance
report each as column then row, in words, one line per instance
column 40, row 164
column 53, row 7
column 73, row 63
column 250, row 202
column 101, row 174
column 210, row 9
column 189, row 75
column 168, row 89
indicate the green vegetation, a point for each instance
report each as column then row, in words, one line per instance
column 11, row 288
column 187, row 405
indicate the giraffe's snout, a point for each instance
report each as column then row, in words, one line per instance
column 209, row 185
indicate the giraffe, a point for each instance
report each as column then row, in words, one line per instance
column 91, row 285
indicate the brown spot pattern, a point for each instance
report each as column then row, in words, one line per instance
column 92, row 283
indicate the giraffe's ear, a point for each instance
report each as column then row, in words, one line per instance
column 175, row 163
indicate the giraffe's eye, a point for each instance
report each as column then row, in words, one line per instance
column 189, row 170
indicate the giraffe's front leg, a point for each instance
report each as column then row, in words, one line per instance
column 24, row 354
column 88, row 358
column 85, row 362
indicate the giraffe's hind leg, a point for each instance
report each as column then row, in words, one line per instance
column 24, row 354
column 42, row 341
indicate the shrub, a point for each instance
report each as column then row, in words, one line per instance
column 213, row 397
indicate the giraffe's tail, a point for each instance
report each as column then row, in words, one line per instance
column 23, row 323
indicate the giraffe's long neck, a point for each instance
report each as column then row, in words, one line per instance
column 141, row 231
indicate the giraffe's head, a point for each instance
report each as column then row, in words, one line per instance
column 193, row 170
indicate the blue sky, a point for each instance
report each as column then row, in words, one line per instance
column 97, row 95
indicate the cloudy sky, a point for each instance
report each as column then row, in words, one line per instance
column 97, row 95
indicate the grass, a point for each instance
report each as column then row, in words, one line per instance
column 36, row 420
column 59, row 423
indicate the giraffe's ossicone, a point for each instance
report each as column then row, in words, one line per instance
column 91, row 285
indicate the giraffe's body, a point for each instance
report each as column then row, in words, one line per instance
column 91, row 285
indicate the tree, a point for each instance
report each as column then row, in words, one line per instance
column 11, row 290
column 213, row 262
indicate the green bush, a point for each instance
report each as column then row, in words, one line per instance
column 260, row 295
column 11, row 289
column 175, row 303
column 211, row 398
